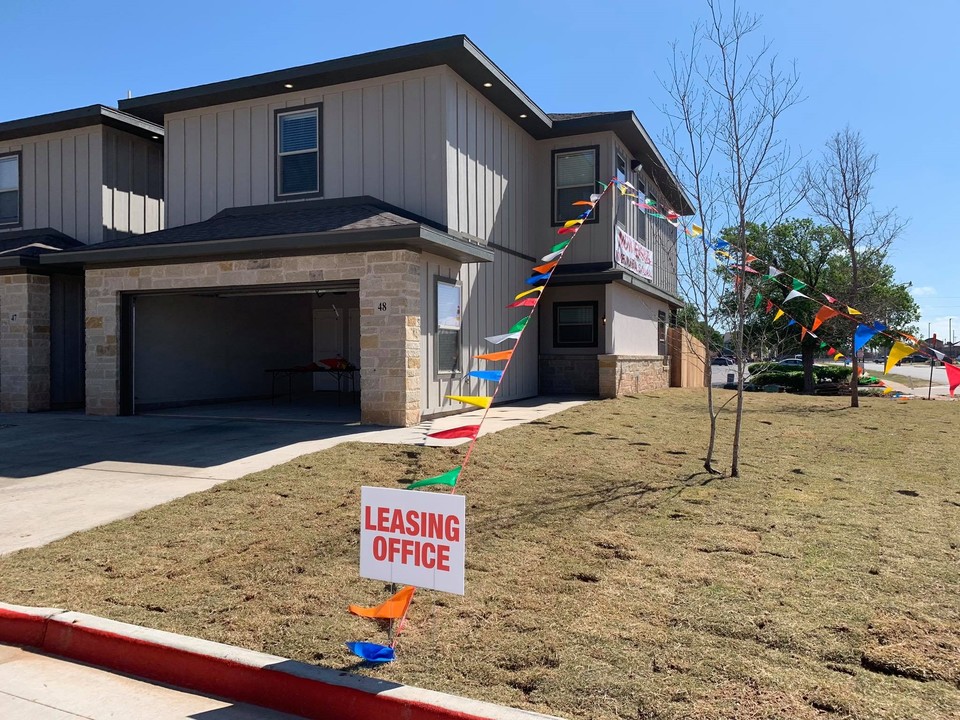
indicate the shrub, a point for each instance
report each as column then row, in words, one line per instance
column 792, row 378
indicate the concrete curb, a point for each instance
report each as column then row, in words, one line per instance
column 235, row 673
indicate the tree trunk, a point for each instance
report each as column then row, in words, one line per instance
column 854, row 376
column 808, row 381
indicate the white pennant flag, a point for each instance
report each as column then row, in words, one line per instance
column 497, row 339
column 773, row 272
column 939, row 354
column 552, row 256
column 794, row 294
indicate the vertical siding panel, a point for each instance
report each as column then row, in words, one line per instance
column 82, row 200
column 413, row 150
column 55, row 187
column 488, row 179
column 437, row 159
column 333, row 145
column 152, row 211
column 261, row 164
column 28, row 156
column 193, row 175
column 242, row 146
column 481, row 178
column 208, row 166
column 463, row 214
column 68, row 221
column 224, row 166
column 470, row 185
column 393, row 144
column 175, row 182
column 42, row 180
column 138, row 168
column 352, row 143
column 97, row 217
column 109, row 181
column 372, row 141
column 122, row 182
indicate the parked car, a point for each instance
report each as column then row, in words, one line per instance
column 722, row 361
column 792, row 362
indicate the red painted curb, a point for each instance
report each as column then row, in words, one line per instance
column 271, row 686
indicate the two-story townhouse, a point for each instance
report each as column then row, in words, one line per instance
column 382, row 207
column 67, row 179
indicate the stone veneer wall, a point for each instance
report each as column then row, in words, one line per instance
column 568, row 375
column 24, row 343
column 630, row 374
column 389, row 341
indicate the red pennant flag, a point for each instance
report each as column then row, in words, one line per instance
column 568, row 230
column 769, row 307
column 525, row 302
column 750, row 258
column 464, row 431
column 831, row 351
column 830, row 299
column 953, row 376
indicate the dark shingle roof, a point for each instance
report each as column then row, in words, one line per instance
column 24, row 247
column 295, row 218
column 316, row 226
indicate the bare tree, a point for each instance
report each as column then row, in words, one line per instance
column 838, row 190
column 728, row 95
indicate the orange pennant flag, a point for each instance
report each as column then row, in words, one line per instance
column 393, row 609
column 495, row 356
column 584, row 202
column 824, row 314
column 803, row 333
column 546, row 267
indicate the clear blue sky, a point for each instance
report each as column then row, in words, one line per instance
column 887, row 69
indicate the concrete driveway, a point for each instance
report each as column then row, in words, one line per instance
column 61, row 472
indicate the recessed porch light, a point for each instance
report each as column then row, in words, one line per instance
column 288, row 86
column 488, row 84
column 523, row 115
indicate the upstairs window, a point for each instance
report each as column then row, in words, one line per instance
column 10, row 189
column 621, row 199
column 575, row 177
column 298, row 153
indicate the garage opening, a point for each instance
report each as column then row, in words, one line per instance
column 280, row 352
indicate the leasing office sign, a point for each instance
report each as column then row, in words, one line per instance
column 413, row 538
column 633, row 255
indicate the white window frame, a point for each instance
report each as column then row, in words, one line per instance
column 318, row 190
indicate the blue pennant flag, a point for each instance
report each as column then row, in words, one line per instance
column 371, row 652
column 879, row 326
column 792, row 322
column 537, row 278
column 491, row 375
column 862, row 336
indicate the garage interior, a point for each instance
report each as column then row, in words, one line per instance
column 243, row 353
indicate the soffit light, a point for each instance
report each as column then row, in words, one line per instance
column 288, row 86
column 488, row 84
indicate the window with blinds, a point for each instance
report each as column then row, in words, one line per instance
column 298, row 152
column 10, row 189
column 575, row 324
column 575, row 176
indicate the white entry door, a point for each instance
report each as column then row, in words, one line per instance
column 327, row 343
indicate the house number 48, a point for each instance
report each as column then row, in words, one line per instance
column 382, row 306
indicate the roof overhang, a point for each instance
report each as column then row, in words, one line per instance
column 456, row 51
column 611, row 275
column 418, row 237
column 78, row 118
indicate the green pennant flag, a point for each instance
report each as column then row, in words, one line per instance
column 798, row 284
column 822, row 345
column 757, row 300
column 519, row 325
column 560, row 245
column 448, row 478
column 767, row 277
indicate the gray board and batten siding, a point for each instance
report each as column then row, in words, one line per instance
column 92, row 183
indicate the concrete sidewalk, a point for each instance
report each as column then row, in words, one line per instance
column 35, row 686
column 65, row 472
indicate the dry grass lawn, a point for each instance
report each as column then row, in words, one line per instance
column 607, row 576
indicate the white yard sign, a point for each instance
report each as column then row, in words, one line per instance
column 633, row 255
column 413, row 538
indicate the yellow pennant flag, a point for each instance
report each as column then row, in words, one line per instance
column 528, row 292
column 778, row 315
column 478, row 400
column 887, row 390
column 571, row 223
column 696, row 230
column 897, row 353
column 853, row 311
column 838, row 356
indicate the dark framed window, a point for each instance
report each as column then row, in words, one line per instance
column 10, row 195
column 449, row 305
column 298, row 153
column 574, row 174
column 575, row 324
column 661, row 333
